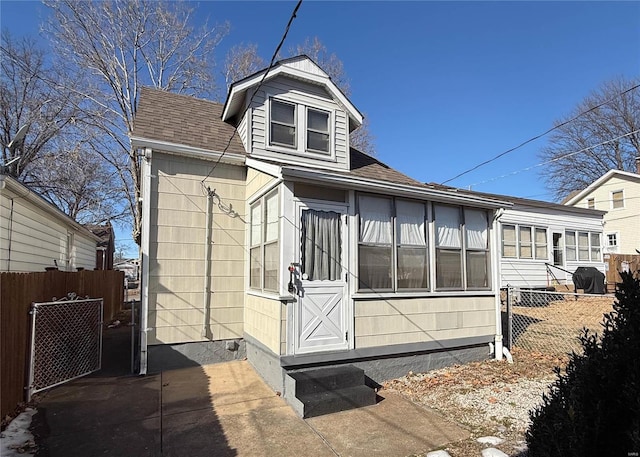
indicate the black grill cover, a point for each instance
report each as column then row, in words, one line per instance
column 590, row 279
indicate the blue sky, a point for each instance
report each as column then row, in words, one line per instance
column 445, row 85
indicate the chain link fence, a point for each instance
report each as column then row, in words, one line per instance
column 66, row 342
column 550, row 322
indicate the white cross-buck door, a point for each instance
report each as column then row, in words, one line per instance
column 320, row 316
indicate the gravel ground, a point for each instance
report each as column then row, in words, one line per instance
column 491, row 398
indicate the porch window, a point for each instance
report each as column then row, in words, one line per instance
column 448, row 247
column 264, row 252
column 542, row 252
column 412, row 260
column 583, row 246
column 321, row 245
column 509, row 242
column 283, row 124
column 476, row 229
column 375, row 246
column 317, row 130
column 526, row 243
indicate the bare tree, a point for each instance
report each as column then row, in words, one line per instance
column 30, row 100
column 241, row 61
column 116, row 46
column 604, row 138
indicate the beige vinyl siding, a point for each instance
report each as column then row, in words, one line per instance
column 309, row 95
column 416, row 320
column 177, row 250
column 624, row 221
column 39, row 239
column 84, row 252
column 264, row 320
column 256, row 180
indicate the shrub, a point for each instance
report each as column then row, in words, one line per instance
column 593, row 409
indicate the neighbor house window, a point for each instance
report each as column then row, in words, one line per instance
column 617, row 199
column 283, row 124
column 318, row 130
column 509, row 241
column 541, row 244
column 524, row 242
column 612, row 239
column 591, row 203
column 264, row 263
column 583, row 246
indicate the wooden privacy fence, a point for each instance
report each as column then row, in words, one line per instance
column 620, row 262
column 17, row 292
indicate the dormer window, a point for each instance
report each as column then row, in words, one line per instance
column 318, row 130
column 283, row 124
column 295, row 127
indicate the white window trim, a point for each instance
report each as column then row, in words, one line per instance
column 576, row 246
column 306, row 131
column 591, row 200
column 611, row 199
column 262, row 200
column 301, row 129
column 295, row 125
column 534, row 245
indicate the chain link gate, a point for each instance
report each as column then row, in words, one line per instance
column 550, row 322
column 66, row 342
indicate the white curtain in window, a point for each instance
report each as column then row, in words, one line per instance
column 410, row 217
column 321, row 244
column 272, row 218
column 476, row 226
column 448, row 227
column 375, row 220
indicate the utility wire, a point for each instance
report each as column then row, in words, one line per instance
column 540, row 135
column 555, row 159
column 264, row 76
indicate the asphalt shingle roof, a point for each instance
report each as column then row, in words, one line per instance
column 184, row 120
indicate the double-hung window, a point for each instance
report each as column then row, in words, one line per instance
column 476, row 229
column 617, row 199
column 283, row 124
column 375, row 249
column 411, row 247
column 448, row 247
column 264, row 254
column 318, row 131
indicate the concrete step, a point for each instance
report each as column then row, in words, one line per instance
column 326, row 379
column 333, row 401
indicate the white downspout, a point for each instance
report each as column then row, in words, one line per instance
column 144, row 247
column 496, row 283
column 207, row 266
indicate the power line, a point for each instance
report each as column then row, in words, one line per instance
column 264, row 76
column 555, row 159
column 540, row 135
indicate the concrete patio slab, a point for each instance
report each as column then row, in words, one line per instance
column 393, row 427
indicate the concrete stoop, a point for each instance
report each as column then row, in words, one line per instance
column 319, row 391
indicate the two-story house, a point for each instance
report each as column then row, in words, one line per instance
column 618, row 193
column 264, row 230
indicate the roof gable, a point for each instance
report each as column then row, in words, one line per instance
column 626, row 175
column 299, row 67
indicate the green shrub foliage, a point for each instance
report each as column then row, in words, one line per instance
column 593, row 409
